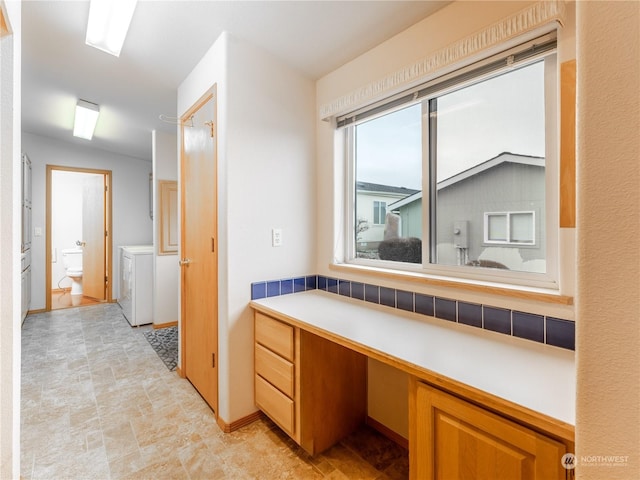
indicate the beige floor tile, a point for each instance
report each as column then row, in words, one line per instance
column 99, row 404
column 354, row 468
column 169, row 468
column 127, row 465
column 119, row 440
column 200, row 462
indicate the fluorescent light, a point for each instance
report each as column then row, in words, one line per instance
column 86, row 119
column 108, row 24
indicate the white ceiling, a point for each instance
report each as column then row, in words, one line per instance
column 165, row 41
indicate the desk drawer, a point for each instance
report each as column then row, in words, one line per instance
column 275, row 335
column 275, row 369
column 275, row 404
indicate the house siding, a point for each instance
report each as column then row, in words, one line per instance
column 507, row 187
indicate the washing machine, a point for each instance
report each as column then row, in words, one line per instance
column 136, row 283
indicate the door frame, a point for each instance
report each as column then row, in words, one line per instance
column 185, row 119
column 108, row 225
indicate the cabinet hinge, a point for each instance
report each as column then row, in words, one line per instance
column 213, row 360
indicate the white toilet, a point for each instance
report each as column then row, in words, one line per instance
column 72, row 261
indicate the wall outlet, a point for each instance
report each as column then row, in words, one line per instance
column 276, row 237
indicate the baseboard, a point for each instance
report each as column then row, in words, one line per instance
column 39, row 310
column 233, row 426
column 165, row 325
column 387, row 432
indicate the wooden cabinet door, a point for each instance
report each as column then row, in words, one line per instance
column 456, row 440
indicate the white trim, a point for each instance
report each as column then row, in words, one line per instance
column 548, row 279
column 384, row 217
column 488, row 164
column 481, row 167
column 531, row 19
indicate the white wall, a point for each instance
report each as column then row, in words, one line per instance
column 608, row 299
column 131, row 224
column 10, row 244
column 166, row 283
column 446, row 26
column 266, row 179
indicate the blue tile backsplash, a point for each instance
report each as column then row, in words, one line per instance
column 388, row 297
column 561, row 333
column 372, row 293
column 424, row 304
column 404, row 300
column 497, row 319
column 446, row 309
column 357, row 290
column 344, row 288
column 529, row 326
column 470, row 314
column 537, row 328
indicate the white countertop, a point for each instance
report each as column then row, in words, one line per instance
column 533, row 375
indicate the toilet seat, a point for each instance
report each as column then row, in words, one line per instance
column 74, row 272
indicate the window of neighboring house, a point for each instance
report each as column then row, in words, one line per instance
column 464, row 161
column 510, row 228
column 379, row 212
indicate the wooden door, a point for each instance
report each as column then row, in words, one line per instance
column 94, row 232
column 456, row 440
column 199, row 280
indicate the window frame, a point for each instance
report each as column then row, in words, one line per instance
column 509, row 241
column 379, row 206
column 509, row 278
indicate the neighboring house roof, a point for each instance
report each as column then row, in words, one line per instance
column 504, row 157
column 378, row 188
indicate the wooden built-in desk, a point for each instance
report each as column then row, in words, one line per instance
column 508, row 400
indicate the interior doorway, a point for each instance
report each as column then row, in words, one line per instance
column 78, row 237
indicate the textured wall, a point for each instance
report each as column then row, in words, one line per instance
column 10, row 210
column 265, row 180
column 608, row 297
column 166, row 280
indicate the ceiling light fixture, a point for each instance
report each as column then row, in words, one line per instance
column 86, row 119
column 108, row 24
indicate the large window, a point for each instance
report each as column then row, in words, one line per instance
column 460, row 173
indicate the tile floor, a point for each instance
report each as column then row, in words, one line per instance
column 62, row 299
column 98, row 403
